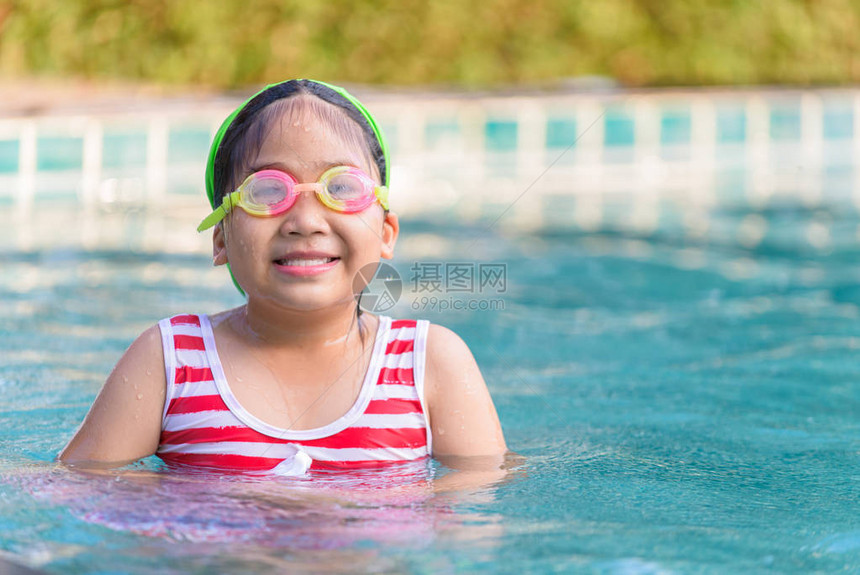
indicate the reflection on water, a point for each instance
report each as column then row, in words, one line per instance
column 351, row 520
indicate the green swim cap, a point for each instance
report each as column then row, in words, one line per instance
column 384, row 166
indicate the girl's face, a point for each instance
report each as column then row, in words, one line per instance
column 306, row 258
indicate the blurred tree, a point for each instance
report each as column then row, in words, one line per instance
column 231, row 43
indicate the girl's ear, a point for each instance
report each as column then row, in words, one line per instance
column 390, row 231
column 219, row 246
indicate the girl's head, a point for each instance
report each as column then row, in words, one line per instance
column 289, row 139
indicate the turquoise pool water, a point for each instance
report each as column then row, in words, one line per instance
column 684, row 404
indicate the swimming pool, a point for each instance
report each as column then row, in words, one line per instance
column 686, row 403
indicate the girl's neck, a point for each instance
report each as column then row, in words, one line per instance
column 301, row 329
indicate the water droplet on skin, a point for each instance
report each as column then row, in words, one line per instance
column 148, row 372
column 124, row 379
column 140, row 396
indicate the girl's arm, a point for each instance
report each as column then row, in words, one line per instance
column 124, row 423
column 463, row 421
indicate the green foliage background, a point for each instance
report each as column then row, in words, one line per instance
column 231, row 43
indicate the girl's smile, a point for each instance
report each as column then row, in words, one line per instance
column 305, row 263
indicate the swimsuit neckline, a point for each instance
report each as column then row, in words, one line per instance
column 347, row 419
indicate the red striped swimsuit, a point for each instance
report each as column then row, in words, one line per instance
column 204, row 424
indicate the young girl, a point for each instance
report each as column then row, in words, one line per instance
column 298, row 378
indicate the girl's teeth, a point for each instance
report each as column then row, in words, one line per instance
column 306, row 262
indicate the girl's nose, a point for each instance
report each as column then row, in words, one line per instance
column 307, row 215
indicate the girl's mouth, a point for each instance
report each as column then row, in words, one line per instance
column 305, row 265
column 304, row 262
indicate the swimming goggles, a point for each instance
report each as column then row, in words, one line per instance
column 270, row 193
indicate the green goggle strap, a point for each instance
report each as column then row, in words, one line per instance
column 219, row 214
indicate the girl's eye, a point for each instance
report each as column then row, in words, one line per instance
column 267, row 192
column 345, row 187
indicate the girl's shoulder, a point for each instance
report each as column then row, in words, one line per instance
column 458, row 399
column 445, row 349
